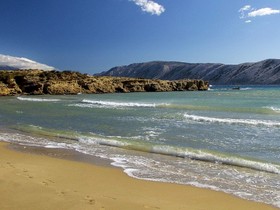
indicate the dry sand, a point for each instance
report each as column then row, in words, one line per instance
column 30, row 181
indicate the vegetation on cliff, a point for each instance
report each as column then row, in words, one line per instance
column 39, row 82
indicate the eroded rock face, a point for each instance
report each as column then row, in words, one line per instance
column 39, row 82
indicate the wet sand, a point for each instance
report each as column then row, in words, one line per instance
column 33, row 181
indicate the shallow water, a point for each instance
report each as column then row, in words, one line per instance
column 222, row 139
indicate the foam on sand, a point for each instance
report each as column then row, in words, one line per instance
column 60, row 181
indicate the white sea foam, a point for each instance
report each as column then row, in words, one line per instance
column 273, row 108
column 118, row 104
column 231, row 120
column 197, row 184
column 120, row 142
column 184, row 153
column 23, row 139
column 207, row 156
column 142, row 167
column 37, row 99
column 119, row 162
column 276, row 203
column 216, row 158
column 56, row 145
column 246, row 88
column 149, row 169
column 101, row 141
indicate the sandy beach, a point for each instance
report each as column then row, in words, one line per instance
column 31, row 181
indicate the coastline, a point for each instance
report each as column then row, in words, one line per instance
column 39, row 82
column 29, row 181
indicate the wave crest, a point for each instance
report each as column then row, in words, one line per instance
column 275, row 109
column 117, row 104
column 37, row 99
column 194, row 154
column 201, row 155
column 232, row 120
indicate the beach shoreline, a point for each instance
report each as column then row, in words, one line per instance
column 32, row 181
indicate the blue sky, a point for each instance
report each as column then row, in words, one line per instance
column 95, row 35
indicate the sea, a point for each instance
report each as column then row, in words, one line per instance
column 224, row 139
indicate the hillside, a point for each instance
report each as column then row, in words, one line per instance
column 39, row 82
column 263, row 72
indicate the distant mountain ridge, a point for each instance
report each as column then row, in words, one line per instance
column 266, row 72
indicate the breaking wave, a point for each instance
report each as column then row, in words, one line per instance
column 232, row 121
column 194, row 154
column 208, row 156
column 91, row 139
column 118, row 104
column 37, row 99
column 275, row 109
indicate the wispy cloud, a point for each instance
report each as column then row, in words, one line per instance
column 244, row 10
column 263, row 12
column 22, row 63
column 248, row 11
column 149, row 6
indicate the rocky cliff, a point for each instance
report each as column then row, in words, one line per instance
column 38, row 82
column 263, row 72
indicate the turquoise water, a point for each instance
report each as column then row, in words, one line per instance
column 222, row 139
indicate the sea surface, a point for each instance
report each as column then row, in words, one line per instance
column 222, row 139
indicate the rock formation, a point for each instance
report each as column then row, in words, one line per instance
column 38, row 82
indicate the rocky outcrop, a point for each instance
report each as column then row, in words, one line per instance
column 258, row 73
column 38, row 82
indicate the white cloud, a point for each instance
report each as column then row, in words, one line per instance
column 149, row 6
column 249, row 12
column 22, row 63
column 263, row 12
column 243, row 10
